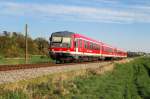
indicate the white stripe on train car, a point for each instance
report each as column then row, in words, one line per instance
column 78, row 53
column 89, row 54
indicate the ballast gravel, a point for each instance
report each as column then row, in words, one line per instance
column 25, row 74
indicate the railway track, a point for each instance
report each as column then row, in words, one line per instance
column 30, row 66
column 13, row 73
column 24, row 66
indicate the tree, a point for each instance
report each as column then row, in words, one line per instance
column 13, row 45
column 42, row 45
column 7, row 34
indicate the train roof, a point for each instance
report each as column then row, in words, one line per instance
column 62, row 33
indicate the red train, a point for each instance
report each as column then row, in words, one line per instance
column 69, row 46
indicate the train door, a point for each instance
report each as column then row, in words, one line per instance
column 80, row 48
column 76, row 45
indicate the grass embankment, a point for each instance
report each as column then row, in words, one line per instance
column 33, row 59
column 126, row 81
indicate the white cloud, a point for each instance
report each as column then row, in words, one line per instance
column 95, row 1
column 107, row 1
column 77, row 13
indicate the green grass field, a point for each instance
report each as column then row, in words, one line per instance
column 31, row 60
column 127, row 81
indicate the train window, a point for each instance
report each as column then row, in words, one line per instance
column 107, row 49
column 56, row 39
column 66, row 40
column 110, row 50
column 95, row 46
column 85, row 44
column 88, row 45
column 76, row 43
column 99, row 47
column 80, row 43
column 91, row 46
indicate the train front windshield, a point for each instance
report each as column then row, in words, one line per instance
column 60, row 41
column 56, row 39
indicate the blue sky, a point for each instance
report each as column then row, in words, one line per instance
column 121, row 23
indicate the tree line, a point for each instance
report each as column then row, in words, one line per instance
column 12, row 44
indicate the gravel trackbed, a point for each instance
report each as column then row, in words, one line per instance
column 24, row 74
